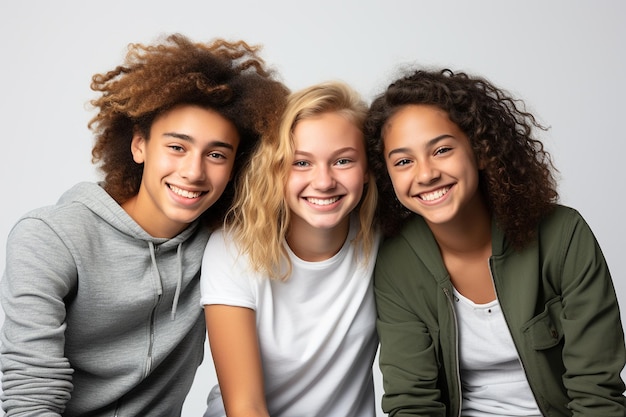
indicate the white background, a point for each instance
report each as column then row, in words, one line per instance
column 566, row 59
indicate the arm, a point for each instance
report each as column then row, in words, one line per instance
column 594, row 353
column 407, row 350
column 39, row 274
column 235, row 349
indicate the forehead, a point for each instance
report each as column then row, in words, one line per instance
column 327, row 129
column 419, row 121
column 195, row 123
column 420, row 126
column 418, row 116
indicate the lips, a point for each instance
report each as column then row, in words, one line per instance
column 185, row 193
column 434, row 195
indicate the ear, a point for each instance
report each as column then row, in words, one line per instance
column 138, row 148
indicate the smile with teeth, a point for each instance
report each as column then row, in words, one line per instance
column 322, row 201
column 435, row 194
column 185, row 193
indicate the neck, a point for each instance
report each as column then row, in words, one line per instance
column 469, row 233
column 159, row 228
column 313, row 244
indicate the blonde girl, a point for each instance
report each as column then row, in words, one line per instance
column 287, row 286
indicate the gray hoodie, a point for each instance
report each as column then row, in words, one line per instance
column 101, row 318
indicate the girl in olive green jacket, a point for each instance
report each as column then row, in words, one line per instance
column 493, row 300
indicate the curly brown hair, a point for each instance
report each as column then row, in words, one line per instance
column 227, row 77
column 518, row 179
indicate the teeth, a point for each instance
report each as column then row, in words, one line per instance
column 322, row 202
column 185, row 193
column 435, row 194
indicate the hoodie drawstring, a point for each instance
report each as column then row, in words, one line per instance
column 155, row 268
column 179, row 280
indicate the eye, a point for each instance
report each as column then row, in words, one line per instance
column 443, row 149
column 176, row 148
column 216, row 155
column 402, row 162
column 343, row 161
column 301, row 164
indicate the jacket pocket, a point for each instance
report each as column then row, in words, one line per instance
column 544, row 331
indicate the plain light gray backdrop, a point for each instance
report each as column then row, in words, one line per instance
column 565, row 59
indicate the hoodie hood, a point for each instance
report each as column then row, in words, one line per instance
column 97, row 200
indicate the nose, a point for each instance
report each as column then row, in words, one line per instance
column 194, row 168
column 323, row 178
column 426, row 173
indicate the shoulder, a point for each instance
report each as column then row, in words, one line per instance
column 74, row 204
column 561, row 222
column 62, row 216
column 564, row 237
column 84, row 215
column 412, row 253
column 562, row 213
column 221, row 242
column 415, row 237
column 226, row 276
column 223, row 253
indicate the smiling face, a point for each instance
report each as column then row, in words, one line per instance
column 327, row 175
column 188, row 161
column 431, row 165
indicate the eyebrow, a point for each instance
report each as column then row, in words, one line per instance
column 430, row 143
column 337, row 152
column 190, row 139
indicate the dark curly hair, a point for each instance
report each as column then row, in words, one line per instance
column 518, row 179
column 229, row 78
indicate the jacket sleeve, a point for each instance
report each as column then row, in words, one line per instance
column 407, row 352
column 39, row 274
column 593, row 352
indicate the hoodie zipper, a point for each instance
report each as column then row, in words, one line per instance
column 456, row 349
column 151, row 347
column 153, row 251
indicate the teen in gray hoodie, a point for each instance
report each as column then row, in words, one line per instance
column 101, row 291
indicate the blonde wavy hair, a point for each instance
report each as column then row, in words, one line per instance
column 259, row 218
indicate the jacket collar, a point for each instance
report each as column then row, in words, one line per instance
column 421, row 240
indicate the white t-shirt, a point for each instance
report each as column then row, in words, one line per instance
column 316, row 330
column 494, row 383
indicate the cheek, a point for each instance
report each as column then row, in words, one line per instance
column 221, row 176
column 396, row 179
column 358, row 179
column 472, row 171
column 292, row 190
column 397, row 190
column 158, row 167
column 229, row 171
column 296, row 181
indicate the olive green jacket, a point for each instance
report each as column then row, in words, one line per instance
column 558, row 301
